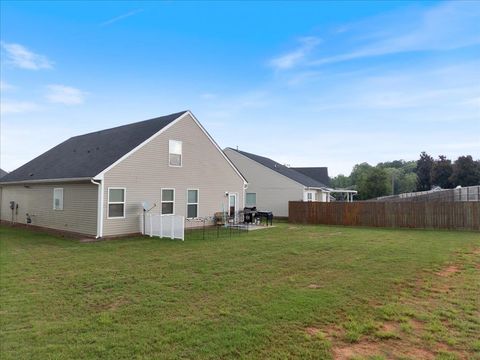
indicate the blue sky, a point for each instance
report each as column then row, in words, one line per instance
column 306, row 83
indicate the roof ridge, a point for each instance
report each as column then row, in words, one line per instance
column 301, row 178
column 86, row 155
column 130, row 124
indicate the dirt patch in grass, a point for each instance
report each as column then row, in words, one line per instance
column 390, row 327
column 314, row 286
column 417, row 353
column 363, row 349
column 312, row 331
column 448, row 271
column 394, row 349
column 417, row 325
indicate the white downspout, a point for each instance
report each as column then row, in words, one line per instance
column 99, row 209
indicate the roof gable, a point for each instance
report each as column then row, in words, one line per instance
column 87, row 155
column 290, row 173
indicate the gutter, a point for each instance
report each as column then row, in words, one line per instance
column 45, row 181
column 99, row 208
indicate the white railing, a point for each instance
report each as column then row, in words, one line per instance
column 165, row 226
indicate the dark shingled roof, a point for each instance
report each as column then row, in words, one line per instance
column 284, row 170
column 85, row 156
column 2, row 173
column 316, row 173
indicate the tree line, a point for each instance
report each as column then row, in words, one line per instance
column 400, row 176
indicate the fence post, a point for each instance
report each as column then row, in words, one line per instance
column 183, row 228
column 160, row 229
column 151, row 225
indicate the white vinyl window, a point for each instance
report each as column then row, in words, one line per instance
column 58, row 199
column 168, row 201
column 116, row 203
column 251, row 199
column 192, row 203
column 309, row 196
column 174, row 153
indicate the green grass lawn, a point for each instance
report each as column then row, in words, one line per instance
column 287, row 292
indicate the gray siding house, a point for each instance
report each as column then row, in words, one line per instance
column 272, row 185
column 96, row 184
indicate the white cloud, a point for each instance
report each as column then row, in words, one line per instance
column 17, row 107
column 448, row 26
column 67, row 95
column 293, row 58
column 19, row 56
column 121, row 17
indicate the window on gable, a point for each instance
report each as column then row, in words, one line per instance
column 58, row 199
column 174, row 153
column 116, row 202
column 251, row 199
column 192, row 203
column 168, row 201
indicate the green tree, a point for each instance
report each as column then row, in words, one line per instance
column 340, row 182
column 359, row 172
column 441, row 172
column 407, row 183
column 373, row 184
column 466, row 172
column 423, row 170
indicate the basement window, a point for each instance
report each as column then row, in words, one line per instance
column 58, row 199
column 116, row 203
column 175, row 153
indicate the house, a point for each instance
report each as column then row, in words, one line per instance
column 2, row 173
column 272, row 185
column 97, row 184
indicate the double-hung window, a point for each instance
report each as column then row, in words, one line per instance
column 168, row 201
column 192, row 203
column 58, row 199
column 175, row 153
column 116, row 203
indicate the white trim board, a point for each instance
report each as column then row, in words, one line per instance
column 100, row 175
column 218, row 148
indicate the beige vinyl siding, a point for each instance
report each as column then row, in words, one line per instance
column 273, row 190
column 79, row 212
column 145, row 172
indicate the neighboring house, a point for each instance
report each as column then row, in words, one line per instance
column 2, row 173
column 272, row 185
column 96, row 183
column 317, row 173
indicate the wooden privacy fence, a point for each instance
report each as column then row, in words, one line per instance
column 424, row 215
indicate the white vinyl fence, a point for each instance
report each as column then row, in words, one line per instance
column 165, row 226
